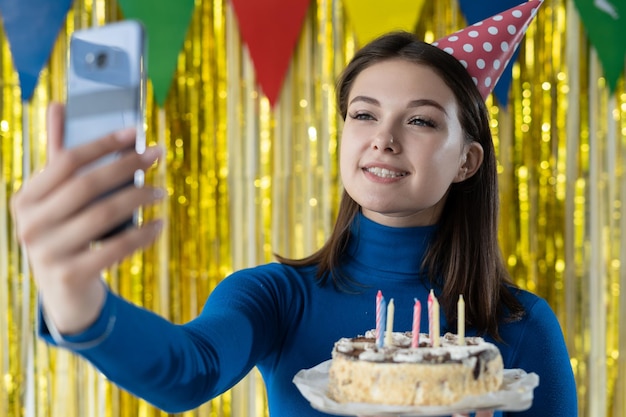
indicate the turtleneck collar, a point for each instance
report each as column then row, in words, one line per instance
column 389, row 249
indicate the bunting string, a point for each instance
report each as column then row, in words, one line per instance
column 247, row 177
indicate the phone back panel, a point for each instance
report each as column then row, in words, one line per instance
column 106, row 83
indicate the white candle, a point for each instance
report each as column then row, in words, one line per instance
column 389, row 327
column 436, row 330
column 431, row 296
column 461, row 320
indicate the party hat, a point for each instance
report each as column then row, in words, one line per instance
column 486, row 47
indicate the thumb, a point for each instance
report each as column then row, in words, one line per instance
column 55, row 129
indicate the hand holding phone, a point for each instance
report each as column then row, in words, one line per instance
column 55, row 226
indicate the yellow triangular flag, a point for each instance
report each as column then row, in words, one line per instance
column 372, row 18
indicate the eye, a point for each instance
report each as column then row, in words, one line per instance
column 361, row 116
column 422, row 121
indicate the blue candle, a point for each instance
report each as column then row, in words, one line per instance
column 382, row 323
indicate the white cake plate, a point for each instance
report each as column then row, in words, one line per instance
column 516, row 394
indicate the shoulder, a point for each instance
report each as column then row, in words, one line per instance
column 535, row 343
column 539, row 322
column 273, row 271
column 532, row 304
column 273, row 279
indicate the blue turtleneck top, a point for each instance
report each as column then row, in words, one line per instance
column 277, row 318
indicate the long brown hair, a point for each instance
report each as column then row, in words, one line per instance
column 464, row 256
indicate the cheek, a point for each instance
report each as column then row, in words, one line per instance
column 439, row 167
column 447, row 156
column 345, row 157
column 347, row 150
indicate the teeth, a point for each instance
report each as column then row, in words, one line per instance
column 384, row 173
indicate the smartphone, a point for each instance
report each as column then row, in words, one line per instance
column 106, row 84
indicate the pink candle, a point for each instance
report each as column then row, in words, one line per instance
column 417, row 313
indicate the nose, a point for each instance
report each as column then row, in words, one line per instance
column 385, row 141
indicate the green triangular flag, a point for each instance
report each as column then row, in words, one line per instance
column 604, row 21
column 166, row 23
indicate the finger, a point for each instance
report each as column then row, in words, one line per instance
column 481, row 413
column 113, row 250
column 91, row 223
column 68, row 162
column 77, row 192
column 56, row 115
column 83, row 189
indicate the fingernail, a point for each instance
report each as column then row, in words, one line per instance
column 156, row 226
column 152, row 153
column 158, row 193
column 126, row 135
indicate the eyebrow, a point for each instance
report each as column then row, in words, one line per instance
column 413, row 103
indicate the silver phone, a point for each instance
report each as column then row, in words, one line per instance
column 106, row 81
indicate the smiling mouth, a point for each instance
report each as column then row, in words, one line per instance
column 385, row 173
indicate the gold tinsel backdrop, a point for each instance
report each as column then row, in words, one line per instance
column 246, row 180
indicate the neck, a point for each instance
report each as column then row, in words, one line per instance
column 389, row 249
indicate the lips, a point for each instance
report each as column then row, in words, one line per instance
column 385, row 173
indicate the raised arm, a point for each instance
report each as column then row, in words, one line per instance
column 56, row 221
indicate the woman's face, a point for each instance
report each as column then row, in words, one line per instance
column 404, row 181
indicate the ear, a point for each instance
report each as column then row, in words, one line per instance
column 472, row 159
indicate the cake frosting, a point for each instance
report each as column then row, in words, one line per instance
column 398, row 374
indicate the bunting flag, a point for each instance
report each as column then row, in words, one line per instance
column 604, row 22
column 166, row 23
column 477, row 10
column 372, row 18
column 270, row 29
column 32, row 27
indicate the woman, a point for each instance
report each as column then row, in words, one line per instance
column 419, row 212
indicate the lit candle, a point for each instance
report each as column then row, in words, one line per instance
column 417, row 313
column 461, row 320
column 383, row 314
column 389, row 326
column 435, row 335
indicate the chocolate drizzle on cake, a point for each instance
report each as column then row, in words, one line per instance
column 474, row 353
column 484, row 357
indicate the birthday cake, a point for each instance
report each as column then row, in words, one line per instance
column 398, row 374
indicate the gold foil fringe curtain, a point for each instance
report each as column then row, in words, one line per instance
column 245, row 181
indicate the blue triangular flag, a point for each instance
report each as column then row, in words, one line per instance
column 32, row 27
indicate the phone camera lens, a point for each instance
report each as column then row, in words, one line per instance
column 99, row 59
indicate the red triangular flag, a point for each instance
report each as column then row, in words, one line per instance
column 270, row 29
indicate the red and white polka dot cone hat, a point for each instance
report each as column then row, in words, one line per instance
column 486, row 47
